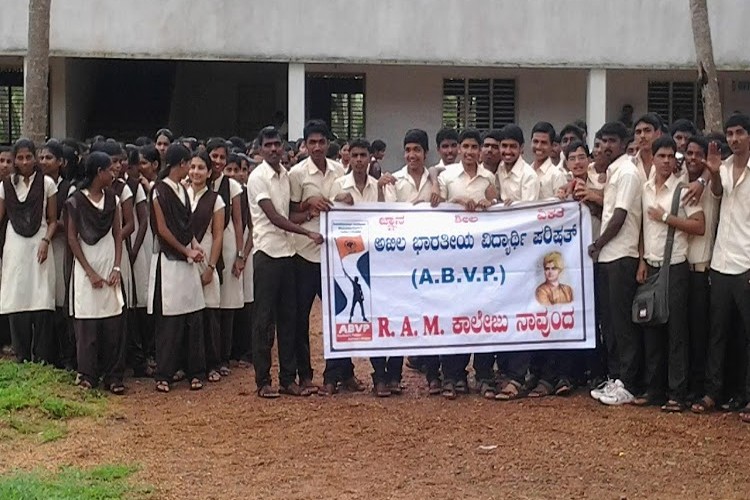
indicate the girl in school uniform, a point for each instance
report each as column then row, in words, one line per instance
column 243, row 321
column 149, row 166
column 207, row 224
column 51, row 160
column 96, row 300
column 233, row 258
column 28, row 198
column 175, row 290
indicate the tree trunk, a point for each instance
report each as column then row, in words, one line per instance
column 36, row 73
column 708, row 78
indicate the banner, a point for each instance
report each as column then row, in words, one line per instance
column 412, row 280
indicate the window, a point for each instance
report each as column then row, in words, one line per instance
column 11, row 106
column 675, row 100
column 478, row 103
column 339, row 99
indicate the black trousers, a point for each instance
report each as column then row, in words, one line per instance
column 308, row 287
column 4, row 330
column 454, row 367
column 226, row 330
column 242, row 338
column 698, row 324
column 514, row 365
column 179, row 341
column 275, row 301
column 484, row 367
column 387, row 370
column 65, row 339
column 140, row 338
column 431, row 367
column 623, row 338
column 32, row 336
column 729, row 293
column 212, row 338
column 100, row 349
column 667, row 347
column 554, row 366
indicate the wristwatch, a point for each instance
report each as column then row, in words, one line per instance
column 703, row 182
column 240, row 255
column 664, row 217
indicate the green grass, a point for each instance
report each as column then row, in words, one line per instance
column 108, row 482
column 37, row 400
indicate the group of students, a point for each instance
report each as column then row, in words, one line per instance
column 142, row 252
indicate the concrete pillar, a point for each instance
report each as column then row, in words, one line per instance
column 296, row 100
column 57, row 98
column 596, row 101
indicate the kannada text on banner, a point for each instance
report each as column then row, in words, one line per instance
column 404, row 280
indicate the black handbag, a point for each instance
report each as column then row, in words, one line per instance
column 651, row 301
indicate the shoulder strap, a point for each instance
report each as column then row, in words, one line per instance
column 670, row 232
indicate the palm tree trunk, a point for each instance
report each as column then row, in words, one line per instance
column 36, row 72
column 706, row 67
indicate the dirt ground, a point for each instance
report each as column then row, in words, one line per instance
column 225, row 443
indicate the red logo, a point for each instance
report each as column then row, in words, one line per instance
column 353, row 332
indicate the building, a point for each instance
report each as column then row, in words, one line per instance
column 378, row 67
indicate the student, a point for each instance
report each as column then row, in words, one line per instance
column 96, row 301
column 242, row 348
column 175, row 290
column 700, row 250
column 472, row 186
column 447, row 145
column 207, row 225
column 411, row 184
column 377, row 153
column 51, row 161
column 632, row 147
column 274, row 279
column 344, row 152
column 730, row 263
column 667, row 347
column 233, row 258
column 568, row 134
column 617, row 252
column 647, row 130
column 681, row 131
column 551, row 177
column 28, row 198
column 6, row 162
column 311, row 184
column 162, row 140
column 517, row 179
column 491, row 150
column 354, row 188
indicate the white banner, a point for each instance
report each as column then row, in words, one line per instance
column 411, row 280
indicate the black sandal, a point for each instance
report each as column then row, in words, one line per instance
column 196, row 384
column 705, row 405
column 117, row 388
column 541, row 390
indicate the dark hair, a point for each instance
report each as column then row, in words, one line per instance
column 176, row 154
column 664, row 141
column 700, row 141
column 192, row 143
column 683, row 125
column 360, row 143
column 377, row 145
column 234, row 158
column 512, row 132
column 544, row 128
column 55, row 148
column 572, row 129
column 269, row 132
column 650, row 119
column 110, row 148
column 166, row 133
column 216, row 143
column 151, row 154
column 95, row 163
column 417, row 136
column 4, row 149
column 74, row 168
column 238, row 142
column 203, row 155
column 613, row 128
column 131, row 152
column 23, row 143
column 333, row 151
column 446, row 134
column 470, row 133
column 738, row 120
column 493, row 134
column 316, row 127
column 582, row 125
column 630, row 138
column 574, row 145
column 143, row 140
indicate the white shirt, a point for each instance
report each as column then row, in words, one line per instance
column 406, row 190
column 732, row 248
column 551, row 178
column 265, row 183
column 655, row 232
column 455, row 183
column 307, row 180
column 701, row 247
column 347, row 184
column 622, row 190
column 520, row 183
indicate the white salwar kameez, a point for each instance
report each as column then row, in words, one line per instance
column 212, row 291
column 140, row 264
column 232, row 296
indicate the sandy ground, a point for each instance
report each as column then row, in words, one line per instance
column 226, row 443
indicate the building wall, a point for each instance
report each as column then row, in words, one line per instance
column 531, row 33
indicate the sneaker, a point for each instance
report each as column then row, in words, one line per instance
column 618, row 396
column 603, row 389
